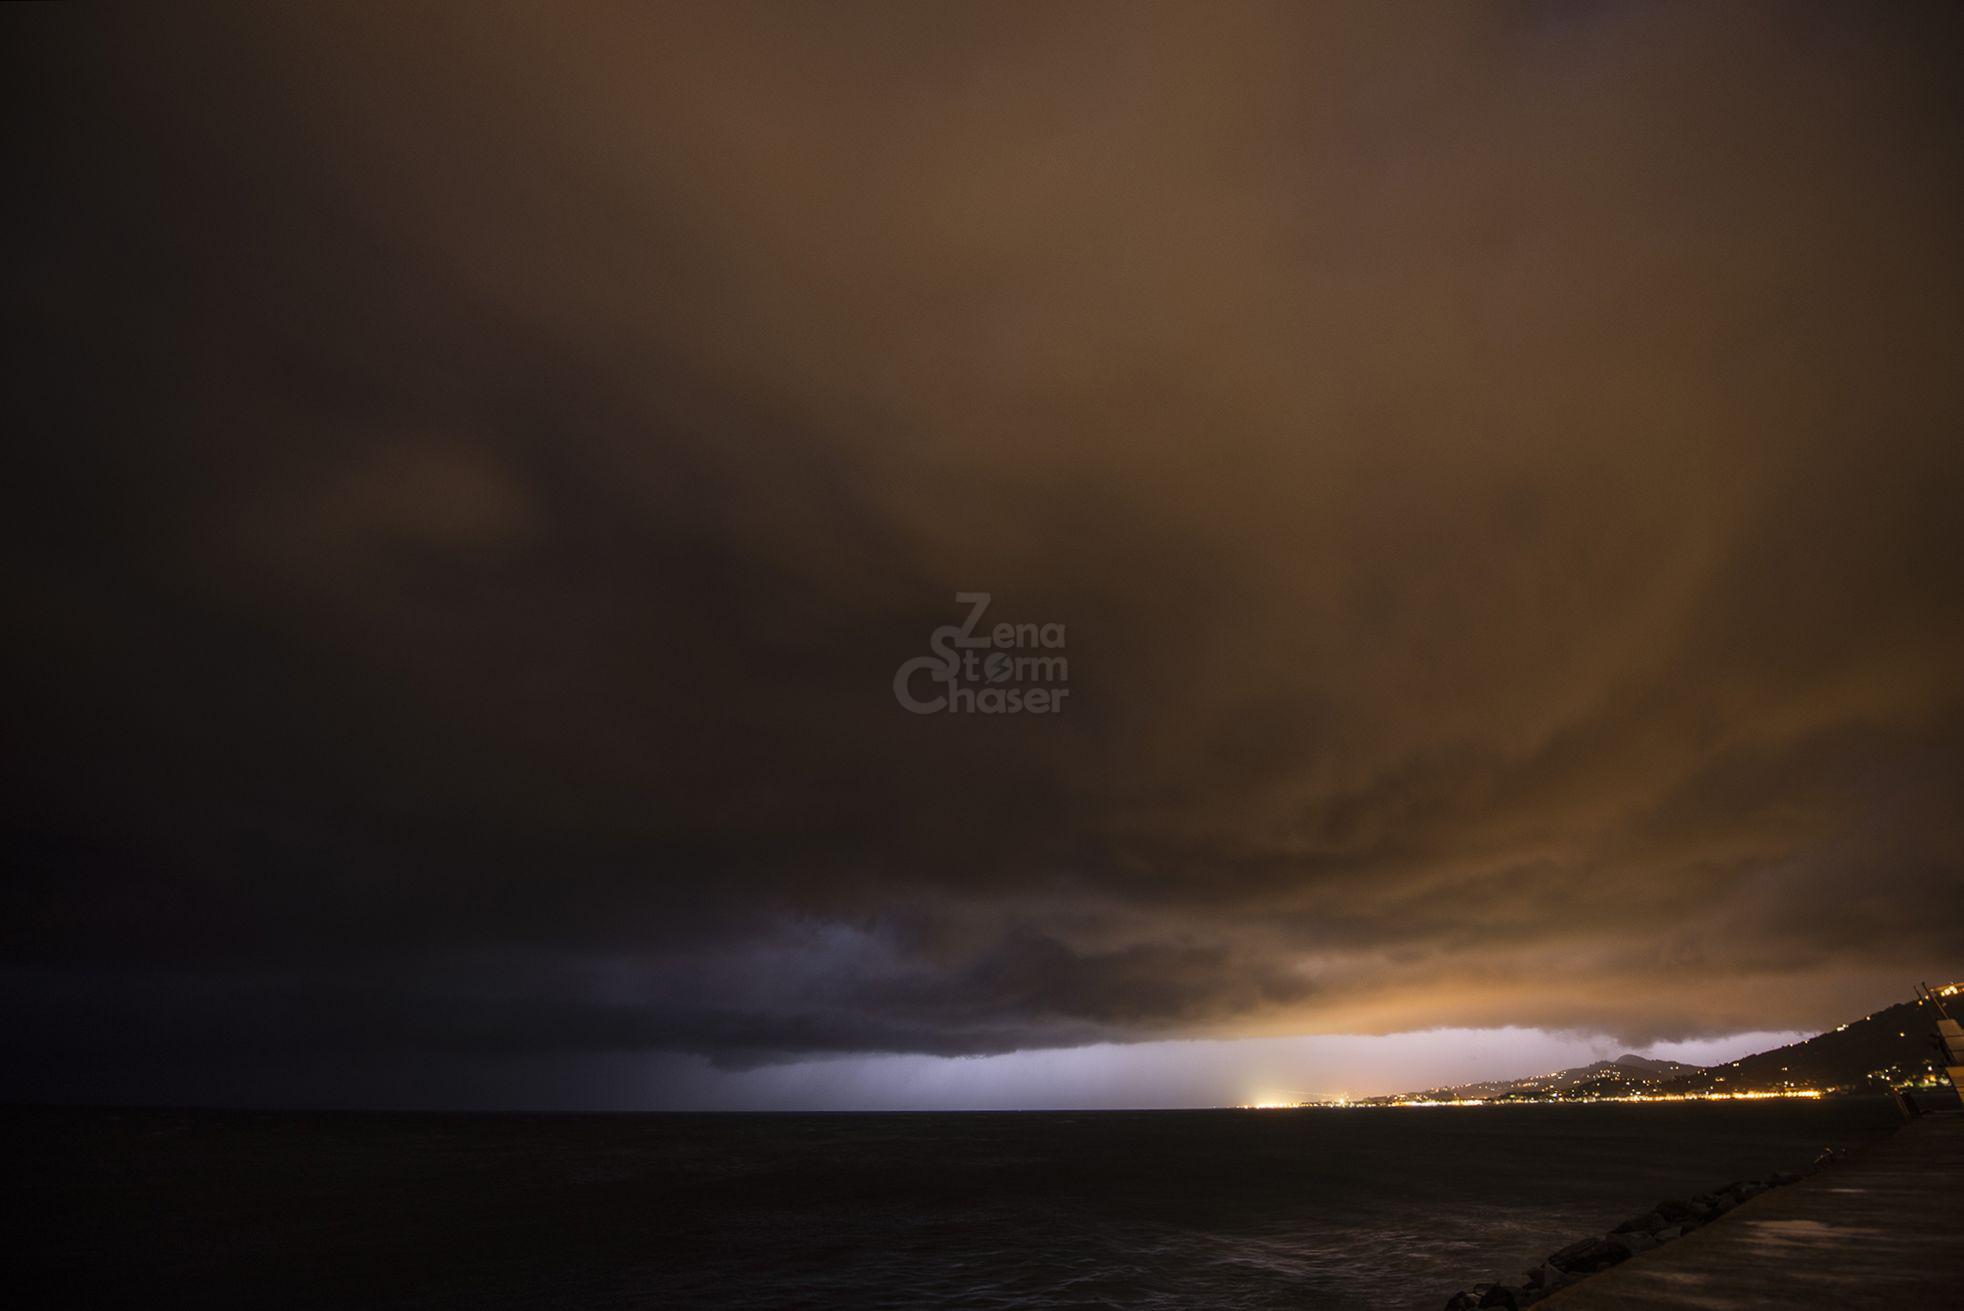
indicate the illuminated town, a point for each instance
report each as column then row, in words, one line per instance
column 1892, row 1051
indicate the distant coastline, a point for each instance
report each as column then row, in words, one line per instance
column 1895, row 1050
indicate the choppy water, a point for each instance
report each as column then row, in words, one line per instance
column 1191, row 1209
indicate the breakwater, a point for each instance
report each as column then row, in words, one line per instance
column 1883, row 1228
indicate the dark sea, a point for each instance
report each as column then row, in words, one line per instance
column 988, row 1210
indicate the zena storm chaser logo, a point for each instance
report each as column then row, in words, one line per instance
column 1008, row 669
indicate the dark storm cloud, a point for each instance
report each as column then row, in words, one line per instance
column 477, row 473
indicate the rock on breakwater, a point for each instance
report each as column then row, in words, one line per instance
column 1663, row 1223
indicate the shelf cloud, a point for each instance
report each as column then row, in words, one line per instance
column 1495, row 473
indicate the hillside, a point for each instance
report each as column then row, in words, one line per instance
column 1623, row 1076
column 1889, row 1048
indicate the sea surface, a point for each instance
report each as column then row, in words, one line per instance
column 1374, row 1209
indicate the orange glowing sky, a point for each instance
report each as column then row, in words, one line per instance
column 1497, row 466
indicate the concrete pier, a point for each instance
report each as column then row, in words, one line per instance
column 1884, row 1229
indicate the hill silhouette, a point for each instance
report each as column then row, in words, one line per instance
column 1888, row 1048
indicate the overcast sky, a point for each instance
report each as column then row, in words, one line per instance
column 476, row 473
